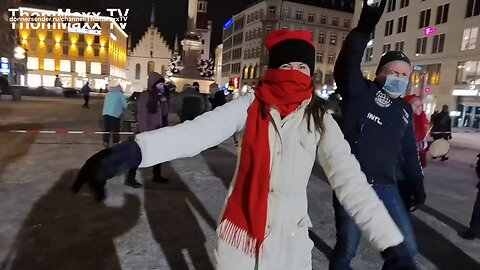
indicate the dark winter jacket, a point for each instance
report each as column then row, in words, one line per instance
column 442, row 126
column 218, row 99
column 189, row 104
column 377, row 128
column 86, row 90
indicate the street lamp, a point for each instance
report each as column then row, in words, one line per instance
column 19, row 52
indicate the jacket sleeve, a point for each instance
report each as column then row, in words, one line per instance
column 192, row 137
column 411, row 163
column 142, row 112
column 347, row 72
column 124, row 102
column 352, row 189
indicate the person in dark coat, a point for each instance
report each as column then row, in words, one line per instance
column 86, row 95
column 152, row 108
column 474, row 230
column 442, row 127
column 189, row 103
column 378, row 124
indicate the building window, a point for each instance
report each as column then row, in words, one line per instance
column 269, row 29
column 442, row 14
column 321, row 38
column 81, row 38
column 286, row 12
column 346, row 23
column 311, row 17
column 335, row 21
column 96, row 52
column 402, row 24
column 399, row 46
column 272, row 10
column 319, row 57
column 49, row 35
column 96, row 39
column 80, row 67
column 391, row 5
column 433, row 74
column 65, row 50
column 421, row 46
column 323, row 19
column 150, row 67
column 404, row 3
column 95, row 68
column 388, row 28
column 424, row 18
column 438, row 43
column 333, row 39
column 299, row 15
column 369, row 54
column 65, row 36
column 468, row 73
column 257, row 15
column 473, row 8
column 49, row 64
column 65, row 65
column 137, row 72
column 469, row 40
column 285, row 27
column 81, row 51
column 331, row 58
column 386, row 48
column 49, row 48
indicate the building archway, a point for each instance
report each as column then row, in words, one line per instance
column 151, row 67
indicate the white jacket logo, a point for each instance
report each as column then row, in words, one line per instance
column 374, row 118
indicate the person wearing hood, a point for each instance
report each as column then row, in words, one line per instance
column 114, row 107
column 284, row 127
column 152, row 108
column 378, row 124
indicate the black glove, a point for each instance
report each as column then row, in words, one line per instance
column 418, row 192
column 397, row 258
column 370, row 16
column 106, row 164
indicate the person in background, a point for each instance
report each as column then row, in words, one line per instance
column 152, row 106
column 57, row 82
column 378, row 124
column 189, row 103
column 114, row 107
column 86, row 95
column 474, row 230
column 420, row 126
column 442, row 127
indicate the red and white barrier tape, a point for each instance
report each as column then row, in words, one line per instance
column 69, row 132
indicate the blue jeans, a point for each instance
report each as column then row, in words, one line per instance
column 348, row 234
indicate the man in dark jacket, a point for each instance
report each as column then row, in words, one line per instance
column 377, row 123
column 442, row 127
column 474, row 230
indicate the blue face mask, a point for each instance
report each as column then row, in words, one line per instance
column 395, row 86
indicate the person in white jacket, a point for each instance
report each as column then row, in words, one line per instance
column 283, row 127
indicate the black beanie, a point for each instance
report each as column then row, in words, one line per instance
column 290, row 46
column 390, row 57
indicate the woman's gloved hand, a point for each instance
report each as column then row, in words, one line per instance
column 397, row 258
column 106, row 164
column 370, row 16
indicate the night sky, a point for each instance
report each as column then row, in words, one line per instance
column 170, row 15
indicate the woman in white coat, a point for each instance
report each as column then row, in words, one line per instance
column 283, row 127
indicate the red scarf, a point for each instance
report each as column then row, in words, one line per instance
column 244, row 220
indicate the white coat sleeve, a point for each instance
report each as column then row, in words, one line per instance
column 192, row 137
column 352, row 189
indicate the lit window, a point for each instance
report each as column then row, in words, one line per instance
column 65, row 65
column 95, row 68
column 80, row 67
column 49, row 64
column 469, row 41
column 32, row 63
column 48, row 80
column 34, row 80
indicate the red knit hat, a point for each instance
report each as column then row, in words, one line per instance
column 285, row 46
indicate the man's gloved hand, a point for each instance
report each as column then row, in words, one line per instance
column 418, row 192
column 106, row 164
column 370, row 16
column 397, row 258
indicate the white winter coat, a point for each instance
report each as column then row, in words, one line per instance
column 293, row 151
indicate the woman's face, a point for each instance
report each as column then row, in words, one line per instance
column 417, row 106
column 300, row 66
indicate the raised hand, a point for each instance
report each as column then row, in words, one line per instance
column 370, row 16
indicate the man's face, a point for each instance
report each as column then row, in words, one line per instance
column 397, row 68
column 417, row 106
